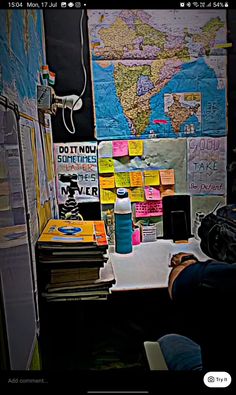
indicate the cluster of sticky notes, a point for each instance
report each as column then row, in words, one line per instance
column 145, row 187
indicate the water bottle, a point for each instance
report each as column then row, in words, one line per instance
column 123, row 222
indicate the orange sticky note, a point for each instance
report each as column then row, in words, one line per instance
column 107, row 182
column 136, row 178
column 167, row 191
column 167, row 177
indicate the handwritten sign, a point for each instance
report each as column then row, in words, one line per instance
column 107, row 196
column 122, row 180
column 106, row 165
column 152, row 193
column 135, row 147
column 136, row 194
column 207, row 166
column 76, row 171
column 167, row 177
column 107, row 181
column 151, row 177
column 120, row 148
column 136, row 178
column 149, row 209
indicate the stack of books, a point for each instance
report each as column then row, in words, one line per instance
column 72, row 261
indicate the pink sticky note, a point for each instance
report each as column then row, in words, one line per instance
column 155, row 208
column 120, row 148
column 152, row 193
column 149, row 209
column 141, row 210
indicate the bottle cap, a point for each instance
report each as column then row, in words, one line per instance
column 122, row 193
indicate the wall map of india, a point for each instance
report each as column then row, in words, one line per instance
column 158, row 73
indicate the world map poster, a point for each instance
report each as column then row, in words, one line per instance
column 158, row 73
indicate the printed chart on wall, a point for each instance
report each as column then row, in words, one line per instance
column 158, row 73
column 76, row 172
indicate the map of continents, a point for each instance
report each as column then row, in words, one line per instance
column 158, row 73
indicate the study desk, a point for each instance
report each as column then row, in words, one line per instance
column 147, row 266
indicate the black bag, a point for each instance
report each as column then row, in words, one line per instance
column 218, row 234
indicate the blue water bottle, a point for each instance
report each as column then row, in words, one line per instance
column 123, row 222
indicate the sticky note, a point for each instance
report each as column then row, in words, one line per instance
column 152, row 193
column 122, row 180
column 136, row 178
column 107, row 181
column 105, row 149
column 106, row 165
column 135, row 147
column 120, row 148
column 136, row 194
column 151, row 177
column 149, row 209
column 107, row 196
column 167, row 191
column 167, row 177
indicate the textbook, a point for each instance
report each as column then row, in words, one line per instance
column 73, row 232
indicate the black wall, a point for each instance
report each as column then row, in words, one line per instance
column 63, row 48
column 63, row 45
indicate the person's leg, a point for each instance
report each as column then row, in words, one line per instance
column 180, row 352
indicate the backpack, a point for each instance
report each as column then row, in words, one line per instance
column 217, row 233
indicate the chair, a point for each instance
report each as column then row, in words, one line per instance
column 155, row 356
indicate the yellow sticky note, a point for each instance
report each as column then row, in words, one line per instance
column 106, row 165
column 107, row 196
column 107, row 181
column 167, row 177
column 135, row 147
column 151, row 177
column 136, row 178
column 122, row 180
column 136, row 194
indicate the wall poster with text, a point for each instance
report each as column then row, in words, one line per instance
column 76, row 171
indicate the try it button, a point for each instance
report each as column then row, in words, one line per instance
column 217, row 379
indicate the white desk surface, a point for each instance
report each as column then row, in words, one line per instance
column 147, row 266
